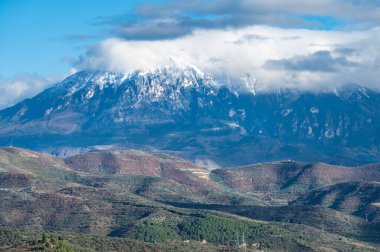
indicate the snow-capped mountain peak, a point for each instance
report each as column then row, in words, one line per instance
column 182, row 107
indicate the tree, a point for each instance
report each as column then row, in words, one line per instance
column 44, row 238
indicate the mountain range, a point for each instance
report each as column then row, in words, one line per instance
column 214, row 121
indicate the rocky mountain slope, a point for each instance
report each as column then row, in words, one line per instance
column 203, row 118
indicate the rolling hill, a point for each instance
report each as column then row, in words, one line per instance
column 357, row 198
column 293, row 176
column 136, row 199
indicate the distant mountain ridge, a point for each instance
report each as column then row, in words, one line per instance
column 199, row 117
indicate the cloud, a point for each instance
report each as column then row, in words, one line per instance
column 174, row 19
column 345, row 51
column 311, row 59
column 320, row 61
column 77, row 37
column 248, row 38
column 24, row 86
column 153, row 30
column 20, row 87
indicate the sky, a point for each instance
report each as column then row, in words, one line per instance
column 301, row 44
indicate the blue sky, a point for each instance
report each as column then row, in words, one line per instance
column 42, row 41
column 38, row 36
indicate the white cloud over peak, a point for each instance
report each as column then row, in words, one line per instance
column 296, row 58
column 24, row 86
column 20, row 87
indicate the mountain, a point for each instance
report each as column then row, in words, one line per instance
column 212, row 120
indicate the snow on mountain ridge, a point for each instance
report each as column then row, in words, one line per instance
column 160, row 81
column 183, row 108
column 100, row 78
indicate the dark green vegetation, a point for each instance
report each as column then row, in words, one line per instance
column 134, row 201
column 16, row 240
